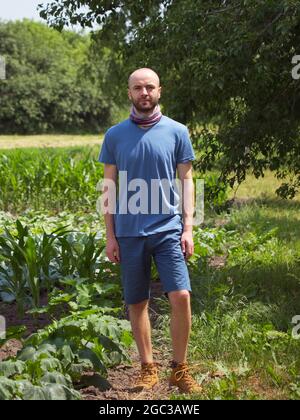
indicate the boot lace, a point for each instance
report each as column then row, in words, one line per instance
column 146, row 374
column 183, row 374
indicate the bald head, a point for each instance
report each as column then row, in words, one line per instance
column 142, row 74
column 144, row 90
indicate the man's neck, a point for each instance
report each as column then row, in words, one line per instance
column 146, row 119
column 145, row 114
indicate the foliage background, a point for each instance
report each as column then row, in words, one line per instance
column 53, row 84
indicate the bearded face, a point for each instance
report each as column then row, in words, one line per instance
column 144, row 93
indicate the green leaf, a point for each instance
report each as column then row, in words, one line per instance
column 109, row 344
column 8, row 388
column 30, row 391
column 28, row 353
column 50, row 364
column 88, row 354
column 56, row 378
column 60, row 392
column 10, row 368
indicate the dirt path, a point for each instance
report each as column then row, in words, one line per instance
column 122, row 378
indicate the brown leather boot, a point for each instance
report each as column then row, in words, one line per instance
column 147, row 379
column 181, row 378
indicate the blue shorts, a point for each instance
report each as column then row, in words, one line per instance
column 136, row 257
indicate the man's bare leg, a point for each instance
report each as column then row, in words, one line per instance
column 180, row 331
column 141, row 329
column 180, row 323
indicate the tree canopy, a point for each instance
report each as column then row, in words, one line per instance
column 52, row 84
column 223, row 62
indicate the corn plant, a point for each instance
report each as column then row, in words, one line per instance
column 60, row 179
column 30, row 263
column 79, row 255
column 26, row 262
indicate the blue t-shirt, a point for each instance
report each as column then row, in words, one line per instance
column 146, row 161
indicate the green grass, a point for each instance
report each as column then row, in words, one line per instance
column 260, row 188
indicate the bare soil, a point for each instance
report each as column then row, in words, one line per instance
column 122, row 378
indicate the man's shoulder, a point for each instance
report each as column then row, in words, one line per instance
column 176, row 125
column 118, row 128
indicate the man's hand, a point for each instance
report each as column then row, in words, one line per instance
column 187, row 244
column 112, row 250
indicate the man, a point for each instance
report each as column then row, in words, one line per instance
column 147, row 147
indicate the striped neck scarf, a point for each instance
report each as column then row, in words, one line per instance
column 145, row 121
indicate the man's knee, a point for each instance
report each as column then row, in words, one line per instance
column 179, row 298
column 139, row 307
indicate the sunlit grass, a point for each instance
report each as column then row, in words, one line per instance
column 261, row 188
column 55, row 140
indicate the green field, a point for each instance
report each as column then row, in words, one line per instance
column 245, row 276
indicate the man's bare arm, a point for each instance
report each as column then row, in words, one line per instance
column 185, row 174
column 112, row 247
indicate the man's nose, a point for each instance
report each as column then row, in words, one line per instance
column 144, row 91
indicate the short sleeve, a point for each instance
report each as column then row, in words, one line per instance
column 185, row 151
column 106, row 153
